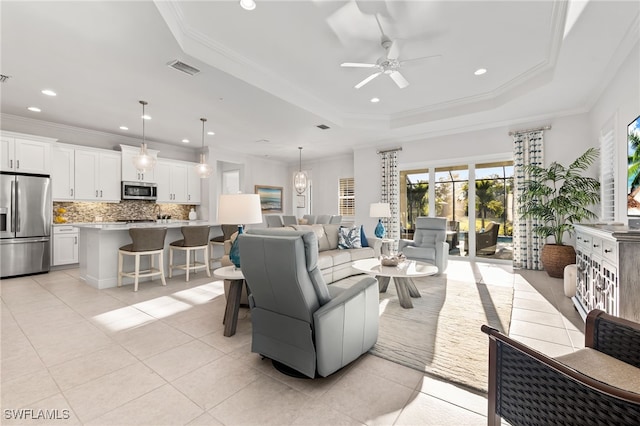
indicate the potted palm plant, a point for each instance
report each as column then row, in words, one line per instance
column 559, row 196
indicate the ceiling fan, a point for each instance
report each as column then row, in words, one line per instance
column 388, row 63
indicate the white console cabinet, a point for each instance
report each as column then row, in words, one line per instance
column 608, row 267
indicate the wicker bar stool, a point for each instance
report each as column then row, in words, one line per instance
column 227, row 231
column 194, row 238
column 144, row 242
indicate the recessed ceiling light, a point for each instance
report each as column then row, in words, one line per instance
column 211, row 133
column 124, row 128
column 185, row 140
column 375, row 100
column 34, row 109
column 248, row 4
column 49, row 92
column 480, row 71
column 146, row 117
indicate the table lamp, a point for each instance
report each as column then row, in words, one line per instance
column 242, row 209
column 379, row 210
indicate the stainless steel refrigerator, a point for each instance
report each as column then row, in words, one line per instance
column 25, row 224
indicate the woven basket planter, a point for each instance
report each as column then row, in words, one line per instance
column 555, row 257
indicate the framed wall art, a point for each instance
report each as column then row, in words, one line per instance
column 270, row 198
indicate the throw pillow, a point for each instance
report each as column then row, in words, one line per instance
column 349, row 238
column 363, row 238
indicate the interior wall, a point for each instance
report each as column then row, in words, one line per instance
column 620, row 101
column 326, row 174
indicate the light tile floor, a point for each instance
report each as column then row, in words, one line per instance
column 158, row 356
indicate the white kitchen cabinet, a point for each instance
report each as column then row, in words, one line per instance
column 129, row 172
column 65, row 245
column 97, row 175
column 172, row 181
column 193, row 185
column 25, row 153
column 63, row 173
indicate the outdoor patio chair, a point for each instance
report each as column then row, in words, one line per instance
column 596, row 385
column 486, row 241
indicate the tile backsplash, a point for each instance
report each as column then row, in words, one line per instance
column 112, row 212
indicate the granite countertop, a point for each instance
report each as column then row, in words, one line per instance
column 120, row 226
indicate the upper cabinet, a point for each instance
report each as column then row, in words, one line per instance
column 97, row 175
column 25, row 153
column 129, row 172
column 85, row 174
column 175, row 182
column 63, row 173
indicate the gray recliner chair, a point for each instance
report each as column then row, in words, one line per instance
column 297, row 320
column 429, row 242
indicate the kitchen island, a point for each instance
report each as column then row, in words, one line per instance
column 99, row 244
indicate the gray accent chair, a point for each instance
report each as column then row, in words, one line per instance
column 273, row 221
column 336, row 219
column 429, row 242
column 310, row 218
column 297, row 320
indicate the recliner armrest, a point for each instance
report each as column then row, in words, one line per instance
column 347, row 326
column 404, row 243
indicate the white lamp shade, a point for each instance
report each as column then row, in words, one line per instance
column 379, row 210
column 241, row 209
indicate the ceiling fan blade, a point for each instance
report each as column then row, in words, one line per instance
column 399, row 79
column 357, row 65
column 422, row 58
column 368, row 79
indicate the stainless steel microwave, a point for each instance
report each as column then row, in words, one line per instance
column 139, row 191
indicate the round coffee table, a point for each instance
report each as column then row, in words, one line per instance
column 402, row 276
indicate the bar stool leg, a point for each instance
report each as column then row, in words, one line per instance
column 135, row 279
column 161, row 267
column 206, row 260
column 188, row 264
column 170, row 262
column 151, row 259
column 120, row 262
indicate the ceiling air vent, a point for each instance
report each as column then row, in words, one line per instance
column 181, row 66
column 322, row 126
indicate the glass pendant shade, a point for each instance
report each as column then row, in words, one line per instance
column 300, row 180
column 203, row 169
column 143, row 162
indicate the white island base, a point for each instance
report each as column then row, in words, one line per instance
column 99, row 244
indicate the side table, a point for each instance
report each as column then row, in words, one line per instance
column 236, row 281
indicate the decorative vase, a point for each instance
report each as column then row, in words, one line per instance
column 192, row 214
column 555, row 257
column 379, row 231
column 234, row 253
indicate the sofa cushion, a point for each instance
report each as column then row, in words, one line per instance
column 318, row 229
column 349, row 238
column 325, row 259
column 363, row 237
column 363, row 253
column 331, row 231
column 340, row 256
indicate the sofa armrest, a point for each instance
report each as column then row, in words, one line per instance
column 614, row 336
column 376, row 244
column 347, row 326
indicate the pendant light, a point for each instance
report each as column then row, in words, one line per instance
column 300, row 179
column 143, row 162
column 203, row 168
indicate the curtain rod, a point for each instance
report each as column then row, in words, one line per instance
column 389, row 150
column 529, row 130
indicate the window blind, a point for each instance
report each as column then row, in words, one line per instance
column 347, row 197
column 607, row 173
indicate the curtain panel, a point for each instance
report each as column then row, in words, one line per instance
column 390, row 192
column 527, row 246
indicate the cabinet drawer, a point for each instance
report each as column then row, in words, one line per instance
column 583, row 241
column 609, row 251
column 596, row 245
column 65, row 229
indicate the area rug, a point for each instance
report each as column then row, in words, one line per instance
column 441, row 334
